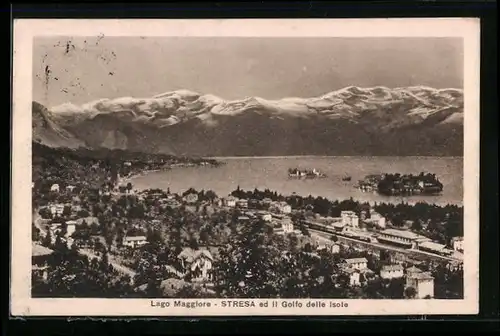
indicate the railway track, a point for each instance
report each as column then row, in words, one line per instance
column 327, row 235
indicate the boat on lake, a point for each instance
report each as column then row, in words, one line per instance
column 346, row 178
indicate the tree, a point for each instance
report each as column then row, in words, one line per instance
column 47, row 240
column 193, row 243
column 35, row 233
column 66, row 211
column 410, row 292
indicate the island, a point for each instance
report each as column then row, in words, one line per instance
column 402, row 184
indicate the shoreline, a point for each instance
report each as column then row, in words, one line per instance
column 395, row 199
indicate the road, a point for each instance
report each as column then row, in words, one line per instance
column 326, row 237
column 119, row 267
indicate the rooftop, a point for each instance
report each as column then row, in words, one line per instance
column 422, row 276
column 356, row 260
column 413, row 269
column 389, row 268
column 190, row 255
column 432, row 246
column 135, row 238
column 401, row 233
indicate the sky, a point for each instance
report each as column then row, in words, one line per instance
column 84, row 69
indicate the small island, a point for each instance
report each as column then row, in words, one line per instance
column 314, row 173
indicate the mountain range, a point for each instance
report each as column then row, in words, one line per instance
column 375, row 121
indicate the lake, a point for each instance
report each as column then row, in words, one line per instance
column 272, row 173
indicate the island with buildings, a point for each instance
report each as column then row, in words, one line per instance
column 402, row 184
column 305, row 173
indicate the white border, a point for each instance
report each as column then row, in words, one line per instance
column 26, row 29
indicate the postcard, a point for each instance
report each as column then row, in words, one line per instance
column 264, row 167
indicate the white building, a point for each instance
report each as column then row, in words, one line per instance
column 349, row 218
column 134, row 241
column 230, row 201
column 403, row 238
column 57, row 209
column 285, row 208
column 354, row 276
column 70, row 188
column 54, row 187
column 191, row 198
column 71, row 227
column 432, row 247
column 458, row 244
column 423, row 283
column 267, row 217
column 333, row 248
column 357, row 263
column 391, row 272
column 287, row 226
column 377, row 220
column 242, row 203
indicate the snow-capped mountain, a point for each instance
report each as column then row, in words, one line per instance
column 350, row 121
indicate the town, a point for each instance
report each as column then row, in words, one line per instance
column 110, row 240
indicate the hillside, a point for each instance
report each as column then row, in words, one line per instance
column 350, row 121
column 47, row 131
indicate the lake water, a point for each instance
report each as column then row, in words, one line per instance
column 272, row 173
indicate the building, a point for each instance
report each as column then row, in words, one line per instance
column 198, row 263
column 432, row 247
column 410, row 271
column 134, row 241
column 287, row 225
column 332, row 248
column 357, row 263
column 284, row 207
column 265, row 216
column 349, row 218
column 40, row 257
column 391, row 272
column 71, row 227
column 57, row 209
column 70, row 188
column 191, row 198
column 230, row 201
column 267, row 202
column 242, row 203
column 423, row 282
column 354, row 276
column 458, row 244
column 243, row 219
column 377, row 220
column 401, row 238
column 54, row 187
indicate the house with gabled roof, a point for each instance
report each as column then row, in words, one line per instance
column 196, row 262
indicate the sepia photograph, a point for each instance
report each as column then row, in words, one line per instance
column 228, row 167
